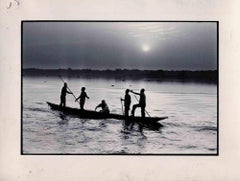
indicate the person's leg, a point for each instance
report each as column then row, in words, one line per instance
column 82, row 104
column 105, row 111
column 61, row 101
column 133, row 108
column 126, row 111
column 143, row 111
column 64, row 102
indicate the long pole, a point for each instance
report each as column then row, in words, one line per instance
column 145, row 109
column 67, row 87
column 122, row 105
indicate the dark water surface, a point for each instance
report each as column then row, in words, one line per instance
column 190, row 128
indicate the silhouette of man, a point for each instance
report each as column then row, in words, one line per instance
column 127, row 102
column 104, row 107
column 141, row 104
column 82, row 98
column 63, row 95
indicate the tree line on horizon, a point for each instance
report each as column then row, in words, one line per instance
column 201, row 75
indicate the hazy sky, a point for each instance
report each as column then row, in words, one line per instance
column 111, row 45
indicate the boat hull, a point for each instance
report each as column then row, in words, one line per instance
column 88, row 114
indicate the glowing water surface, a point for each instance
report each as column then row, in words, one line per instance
column 190, row 128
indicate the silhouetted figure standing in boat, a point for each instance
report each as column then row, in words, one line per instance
column 141, row 104
column 82, row 98
column 127, row 102
column 104, row 107
column 63, row 95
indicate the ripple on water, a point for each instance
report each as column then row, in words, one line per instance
column 205, row 128
column 93, row 129
column 188, row 147
column 62, row 122
column 158, row 110
column 50, row 133
column 29, row 130
column 171, row 124
column 121, row 152
column 36, row 109
column 212, row 149
column 170, row 139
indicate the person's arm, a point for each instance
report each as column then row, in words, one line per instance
column 87, row 96
column 68, row 92
column 134, row 92
column 97, row 106
column 77, row 98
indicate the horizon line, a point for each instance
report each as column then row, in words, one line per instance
column 108, row 69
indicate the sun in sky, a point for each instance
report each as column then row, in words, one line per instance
column 145, row 48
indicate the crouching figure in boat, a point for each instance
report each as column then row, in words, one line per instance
column 104, row 107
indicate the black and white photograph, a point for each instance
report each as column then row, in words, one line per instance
column 119, row 87
column 119, row 90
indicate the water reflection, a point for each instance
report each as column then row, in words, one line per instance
column 129, row 126
column 64, row 119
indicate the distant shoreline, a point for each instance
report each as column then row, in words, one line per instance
column 208, row 76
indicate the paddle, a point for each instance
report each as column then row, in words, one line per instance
column 68, row 88
column 145, row 109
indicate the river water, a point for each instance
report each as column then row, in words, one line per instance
column 191, row 127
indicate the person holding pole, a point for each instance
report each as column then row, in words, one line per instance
column 82, row 98
column 127, row 102
column 63, row 95
column 141, row 104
